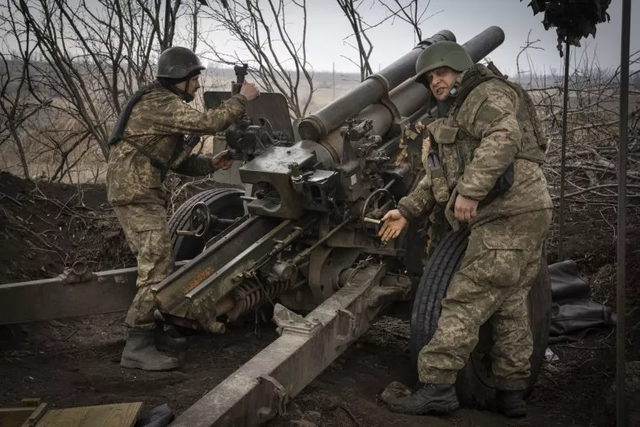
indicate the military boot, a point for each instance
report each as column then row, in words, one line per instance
column 430, row 398
column 511, row 403
column 165, row 342
column 140, row 352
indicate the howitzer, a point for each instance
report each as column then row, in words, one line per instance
column 302, row 239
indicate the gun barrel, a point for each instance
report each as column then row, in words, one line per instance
column 411, row 96
column 484, row 43
column 317, row 126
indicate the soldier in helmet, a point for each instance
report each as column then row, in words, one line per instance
column 483, row 165
column 145, row 144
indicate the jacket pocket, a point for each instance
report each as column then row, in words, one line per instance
column 447, row 139
column 505, row 257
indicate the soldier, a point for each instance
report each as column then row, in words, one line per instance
column 145, row 144
column 483, row 163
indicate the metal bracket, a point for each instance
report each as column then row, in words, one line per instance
column 78, row 273
column 345, row 316
column 293, row 323
column 281, row 394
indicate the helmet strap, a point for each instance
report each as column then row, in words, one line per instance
column 170, row 84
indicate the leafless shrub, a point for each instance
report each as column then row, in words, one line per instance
column 278, row 57
column 592, row 147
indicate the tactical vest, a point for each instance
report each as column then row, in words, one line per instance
column 117, row 134
column 453, row 147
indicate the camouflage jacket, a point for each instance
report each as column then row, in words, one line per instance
column 156, row 125
column 494, row 127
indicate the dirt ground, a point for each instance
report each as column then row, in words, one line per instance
column 74, row 362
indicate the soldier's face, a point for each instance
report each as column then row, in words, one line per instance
column 192, row 87
column 440, row 82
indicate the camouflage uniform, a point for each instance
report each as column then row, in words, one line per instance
column 153, row 134
column 477, row 141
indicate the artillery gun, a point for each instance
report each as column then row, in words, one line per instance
column 302, row 238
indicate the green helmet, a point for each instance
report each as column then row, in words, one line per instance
column 178, row 63
column 442, row 54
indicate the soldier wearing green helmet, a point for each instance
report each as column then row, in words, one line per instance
column 145, row 144
column 443, row 54
column 483, row 166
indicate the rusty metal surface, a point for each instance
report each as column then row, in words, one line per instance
column 260, row 389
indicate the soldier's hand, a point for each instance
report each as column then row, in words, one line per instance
column 222, row 160
column 393, row 223
column 249, row 90
column 465, row 209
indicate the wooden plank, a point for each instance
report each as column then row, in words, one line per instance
column 116, row 415
column 30, row 401
column 36, row 415
column 14, row 417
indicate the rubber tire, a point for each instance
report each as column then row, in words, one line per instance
column 184, row 247
column 474, row 384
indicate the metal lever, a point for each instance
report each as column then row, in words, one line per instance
column 372, row 220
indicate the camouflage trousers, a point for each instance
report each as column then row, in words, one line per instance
column 501, row 263
column 145, row 227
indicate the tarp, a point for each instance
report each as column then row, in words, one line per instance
column 573, row 313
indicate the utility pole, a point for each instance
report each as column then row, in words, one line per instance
column 334, row 80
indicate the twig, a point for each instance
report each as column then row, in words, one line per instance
column 10, row 198
column 75, row 331
column 65, row 205
column 597, row 187
column 348, row 411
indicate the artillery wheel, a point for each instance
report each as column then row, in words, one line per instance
column 222, row 202
column 474, row 383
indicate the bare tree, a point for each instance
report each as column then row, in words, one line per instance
column 96, row 54
column 406, row 11
column 528, row 46
column 409, row 13
column 279, row 62
column 16, row 105
column 592, row 145
column 363, row 44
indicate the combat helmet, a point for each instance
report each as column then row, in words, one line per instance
column 178, row 63
column 442, row 54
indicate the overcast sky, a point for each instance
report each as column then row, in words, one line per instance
column 465, row 18
column 328, row 28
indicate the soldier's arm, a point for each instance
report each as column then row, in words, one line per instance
column 196, row 165
column 489, row 113
column 172, row 116
column 419, row 202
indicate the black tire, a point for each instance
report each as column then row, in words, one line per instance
column 222, row 202
column 474, row 384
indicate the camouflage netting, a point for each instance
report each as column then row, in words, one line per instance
column 573, row 19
